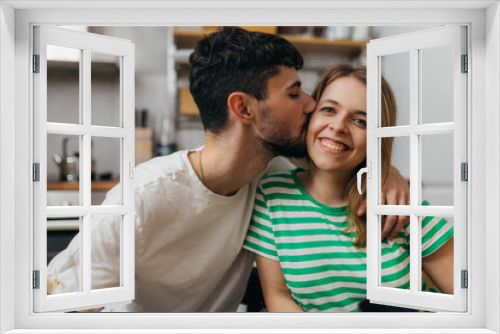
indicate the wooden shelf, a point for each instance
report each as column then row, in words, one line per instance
column 321, row 44
column 96, row 185
column 188, row 38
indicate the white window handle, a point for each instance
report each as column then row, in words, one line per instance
column 368, row 172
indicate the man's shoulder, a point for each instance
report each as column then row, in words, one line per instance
column 279, row 164
column 158, row 168
column 154, row 174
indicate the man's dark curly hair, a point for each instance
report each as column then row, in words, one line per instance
column 231, row 60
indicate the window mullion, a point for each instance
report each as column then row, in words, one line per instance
column 415, row 173
column 422, row 129
column 406, row 210
column 373, row 104
column 127, row 102
column 124, row 175
column 109, row 132
column 86, row 121
column 66, row 129
column 85, row 181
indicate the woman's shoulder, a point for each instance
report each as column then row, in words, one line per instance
column 282, row 176
column 279, row 184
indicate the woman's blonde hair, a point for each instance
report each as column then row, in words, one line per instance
column 388, row 118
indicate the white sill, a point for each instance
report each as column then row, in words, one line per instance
column 251, row 331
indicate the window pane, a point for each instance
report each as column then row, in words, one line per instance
column 396, row 70
column 400, row 157
column 106, row 241
column 106, row 169
column 436, row 232
column 105, row 90
column 437, row 169
column 60, row 232
column 63, row 166
column 63, row 84
column 395, row 260
column 436, row 84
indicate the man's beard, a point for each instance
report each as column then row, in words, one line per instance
column 285, row 146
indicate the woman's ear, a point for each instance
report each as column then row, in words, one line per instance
column 241, row 105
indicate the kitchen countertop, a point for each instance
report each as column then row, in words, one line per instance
column 96, row 185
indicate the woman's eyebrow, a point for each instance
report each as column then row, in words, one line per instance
column 357, row 112
column 331, row 102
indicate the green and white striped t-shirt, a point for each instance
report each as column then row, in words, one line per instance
column 323, row 270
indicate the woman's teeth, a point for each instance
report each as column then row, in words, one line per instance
column 333, row 145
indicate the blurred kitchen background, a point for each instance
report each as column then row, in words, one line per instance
column 167, row 118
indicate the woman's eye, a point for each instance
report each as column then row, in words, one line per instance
column 361, row 122
column 328, row 109
column 294, row 96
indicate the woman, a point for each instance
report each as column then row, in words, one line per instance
column 310, row 245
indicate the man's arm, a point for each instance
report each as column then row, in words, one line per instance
column 395, row 191
column 276, row 294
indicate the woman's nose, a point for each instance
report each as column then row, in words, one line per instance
column 338, row 124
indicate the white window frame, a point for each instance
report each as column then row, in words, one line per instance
column 483, row 20
column 85, row 297
column 412, row 44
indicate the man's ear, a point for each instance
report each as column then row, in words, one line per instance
column 242, row 106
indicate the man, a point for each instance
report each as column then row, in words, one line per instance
column 193, row 214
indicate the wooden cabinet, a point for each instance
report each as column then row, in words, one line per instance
column 187, row 106
column 143, row 145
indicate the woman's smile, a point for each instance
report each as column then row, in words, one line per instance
column 332, row 146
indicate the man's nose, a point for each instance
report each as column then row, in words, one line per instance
column 310, row 104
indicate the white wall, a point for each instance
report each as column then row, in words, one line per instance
column 492, row 186
column 7, row 166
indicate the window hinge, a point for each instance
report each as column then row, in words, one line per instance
column 465, row 64
column 36, row 172
column 465, row 279
column 464, row 171
column 36, row 63
column 36, row 279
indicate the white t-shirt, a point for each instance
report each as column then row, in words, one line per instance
column 189, row 255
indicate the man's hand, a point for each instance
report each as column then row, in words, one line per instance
column 395, row 191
